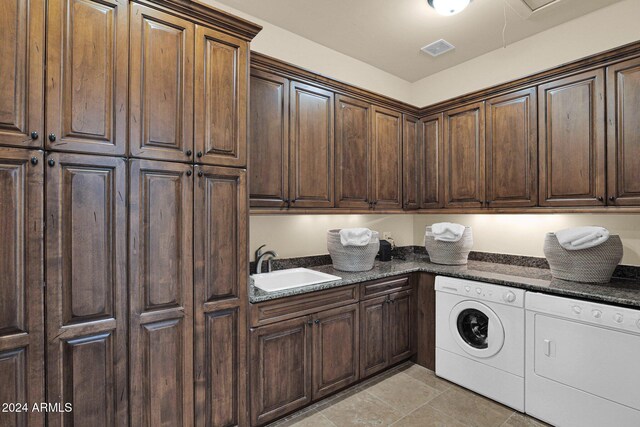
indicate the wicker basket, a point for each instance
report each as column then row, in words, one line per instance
column 591, row 265
column 449, row 253
column 352, row 258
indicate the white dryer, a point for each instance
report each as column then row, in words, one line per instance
column 480, row 338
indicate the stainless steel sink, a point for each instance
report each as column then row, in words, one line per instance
column 290, row 278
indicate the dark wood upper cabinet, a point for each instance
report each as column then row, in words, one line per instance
column 311, row 146
column 512, row 149
column 86, row 293
column 220, row 292
column 387, row 158
column 572, row 140
column 280, row 364
column 221, row 77
column 374, row 356
column 21, row 278
column 268, row 140
column 431, row 170
column 22, row 50
column 161, row 85
column 335, row 350
column 353, row 153
column 412, row 162
column 87, row 66
column 623, row 133
column 464, row 156
column 161, row 293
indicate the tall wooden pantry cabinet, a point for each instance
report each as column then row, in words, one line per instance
column 123, row 204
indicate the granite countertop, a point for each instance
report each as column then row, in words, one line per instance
column 619, row 291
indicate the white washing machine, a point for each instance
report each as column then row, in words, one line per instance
column 480, row 338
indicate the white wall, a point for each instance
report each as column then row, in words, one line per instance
column 524, row 234
column 287, row 46
column 304, row 235
column 517, row 234
column 595, row 32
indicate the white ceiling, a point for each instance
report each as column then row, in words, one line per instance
column 388, row 34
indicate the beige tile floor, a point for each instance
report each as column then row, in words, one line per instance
column 407, row 396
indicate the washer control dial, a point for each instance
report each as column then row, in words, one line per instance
column 509, row 296
column 596, row 313
column 577, row 309
column 638, row 323
column 478, row 291
column 618, row 317
column 467, row 288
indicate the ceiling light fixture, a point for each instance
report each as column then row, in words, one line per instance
column 448, row 7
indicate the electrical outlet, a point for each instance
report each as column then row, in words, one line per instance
column 386, row 235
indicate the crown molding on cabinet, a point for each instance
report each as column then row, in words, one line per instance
column 234, row 25
column 267, row 63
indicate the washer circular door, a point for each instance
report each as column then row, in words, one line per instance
column 476, row 329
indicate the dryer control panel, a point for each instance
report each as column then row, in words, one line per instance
column 481, row 291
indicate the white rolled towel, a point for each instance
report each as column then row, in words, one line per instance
column 447, row 231
column 355, row 236
column 577, row 238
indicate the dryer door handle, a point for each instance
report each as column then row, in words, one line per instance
column 549, row 348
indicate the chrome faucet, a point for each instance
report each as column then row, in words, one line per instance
column 260, row 257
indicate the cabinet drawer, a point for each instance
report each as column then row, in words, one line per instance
column 384, row 286
column 300, row 305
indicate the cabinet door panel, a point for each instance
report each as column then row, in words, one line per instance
column 221, row 386
column 572, row 141
column 512, row 150
column 353, row 152
column 161, row 282
column 22, row 70
column 335, row 350
column 400, row 326
column 86, row 288
column 412, row 162
column 311, row 147
column 87, row 66
column 623, row 137
column 431, row 169
column 387, row 158
column 464, row 156
column 161, row 92
column 221, row 98
column 280, row 369
column 269, row 140
column 373, row 336
column 220, row 296
column 221, row 233
column 21, row 277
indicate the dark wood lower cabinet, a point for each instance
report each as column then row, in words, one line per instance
column 400, row 330
column 386, row 331
column 296, row 361
column 21, row 277
column 280, row 368
column 335, row 350
column 373, row 336
column 86, row 291
column 425, row 321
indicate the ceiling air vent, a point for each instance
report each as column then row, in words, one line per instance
column 538, row 4
column 438, row 47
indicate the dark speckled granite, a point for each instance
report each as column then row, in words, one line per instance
column 619, row 291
